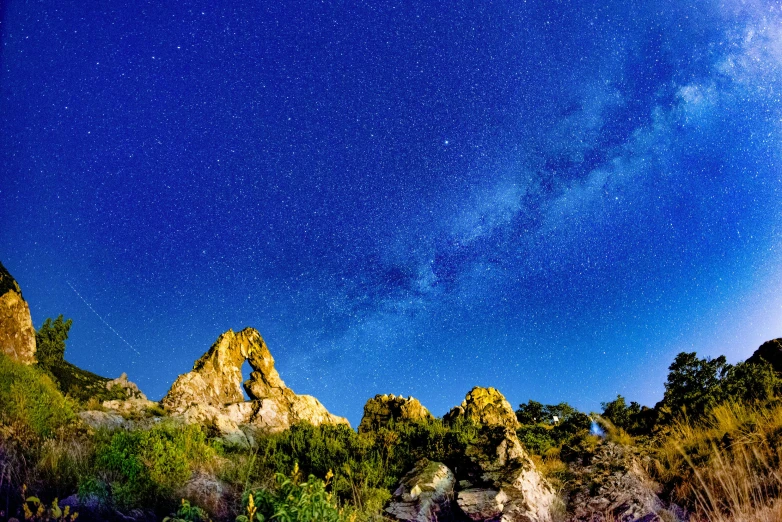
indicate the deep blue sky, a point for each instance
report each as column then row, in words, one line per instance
column 552, row 198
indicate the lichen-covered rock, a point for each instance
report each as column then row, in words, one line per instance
column 424, row 494
column 382, row 410
column 17, row 335
column 612, row 486
column 503, row 480
column 212, row 391
column 485, row 406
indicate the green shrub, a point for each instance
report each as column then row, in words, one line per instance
column 143, row 468
column 188, row 513
column 29, row 397
column 293, row 501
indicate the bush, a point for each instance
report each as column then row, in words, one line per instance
column 29, row 397
column 143, row 468
column 293, row 501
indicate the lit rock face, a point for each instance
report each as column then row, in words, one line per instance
column 615, row 487
column 383, row 410
column 17, row 335
column 485, row 406
column 212, row 392
column 503, row 483
column 425, row 494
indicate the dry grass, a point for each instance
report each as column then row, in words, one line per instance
column 727, row 467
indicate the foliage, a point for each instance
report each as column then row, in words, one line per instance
column 694, row 385
column 634, row 419
column 50, row 341
column 35, row 510
column 29, row 397
column 144, row 467
column 726, row 465
column 188, row 513
column 76, row 382
column 293, row 501
column 541, row 434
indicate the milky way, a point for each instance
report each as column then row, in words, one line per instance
column 551, row 198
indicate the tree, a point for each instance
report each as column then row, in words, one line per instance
column 530, row 413
column 50, row 341
column 693, row 384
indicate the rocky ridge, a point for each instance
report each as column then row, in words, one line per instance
column 17, row 335
column 383, row 410
column 484, row 406
column 499, row 482
column 613, row 485
column 211, row 393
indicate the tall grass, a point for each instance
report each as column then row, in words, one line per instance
column 728, row 466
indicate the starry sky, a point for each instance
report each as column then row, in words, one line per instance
column 553, row 198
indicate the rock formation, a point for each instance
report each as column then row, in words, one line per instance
column 485, row 406
column 613, row 485
column 211, row 393
column 771, row 352
column 503, row 483
column 382, row 410
column 125, row 387
column 17, row 335
column 497, row 483
column 424, row 494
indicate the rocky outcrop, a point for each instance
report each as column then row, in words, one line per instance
column 484, row 406
column 102, row 420
column 613, row 485
column 771, row 352
column 424, row 494
column 502, row 483
column 125, row 388
column 212, row 392
column 384, row 410
column 17, row 335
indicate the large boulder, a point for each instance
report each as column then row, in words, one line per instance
column 17, row 335
column 771, row 352
column 383, row 410
column 484, row 406
column 502, row 482
column 424, row 494
column 212, row 392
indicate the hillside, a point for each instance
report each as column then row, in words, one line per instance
column 74, row 442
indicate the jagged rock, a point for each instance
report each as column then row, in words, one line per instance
column 481, row 504
column 503, row 480
column 382, row 410
column 128, row 389
column 424, row 494
column 771, row 352
column 17, row 335
column 102, row 419
column 130, row 406
column 212, row 392
column 614, row 487
column 485, row 406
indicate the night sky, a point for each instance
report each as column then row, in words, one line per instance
column 553, row 198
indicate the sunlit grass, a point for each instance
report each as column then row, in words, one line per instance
column 727, row 466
